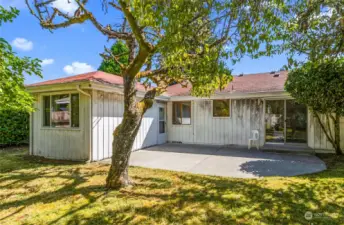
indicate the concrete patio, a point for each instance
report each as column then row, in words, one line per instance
column 230, row 161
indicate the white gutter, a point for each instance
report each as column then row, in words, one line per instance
column 90, row 121
column 81, row 91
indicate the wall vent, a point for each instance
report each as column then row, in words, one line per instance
column 241, row 75
column 276, row 75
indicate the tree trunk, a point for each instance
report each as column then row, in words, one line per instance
column 123, row 139
column 125, row 133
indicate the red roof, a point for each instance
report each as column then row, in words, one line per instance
column 97, row 76
column 250, row 83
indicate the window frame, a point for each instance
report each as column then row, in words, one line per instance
column 229, row 105
column 69, row 110
column 162, row 120
column 181, row 112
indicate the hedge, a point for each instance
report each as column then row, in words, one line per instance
column 14, row 127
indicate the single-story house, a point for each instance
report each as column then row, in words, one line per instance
column 76, row 116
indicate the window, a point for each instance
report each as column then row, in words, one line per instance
column 181, row 113
column 61, row 110
column 161, row 120
column 221, row 108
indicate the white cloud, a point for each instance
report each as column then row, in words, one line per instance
column 19, row 4
column 67, row 6
column 22, row 44
column 47, row 62
column 78, row 68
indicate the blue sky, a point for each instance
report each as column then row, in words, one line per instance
column 73, row 50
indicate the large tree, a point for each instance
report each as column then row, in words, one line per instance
column 320, row 86
column 315, row 31
column 183, row 41
column 12, row 70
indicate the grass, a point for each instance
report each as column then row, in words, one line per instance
column 37, row 191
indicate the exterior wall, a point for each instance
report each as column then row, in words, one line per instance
column 107, row 112
column 317, row 138
column 61, row 143
column 246, row 115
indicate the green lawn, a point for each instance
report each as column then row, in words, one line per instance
column 36, row 191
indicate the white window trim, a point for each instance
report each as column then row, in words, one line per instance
column 50, row 127
column 162, row 120
column 191, row 116
column 221, row 117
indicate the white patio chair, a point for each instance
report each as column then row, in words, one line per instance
column 254, row 139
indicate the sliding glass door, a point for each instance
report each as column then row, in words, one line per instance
column 285, row 121
column 274, row 121
column 296, row 122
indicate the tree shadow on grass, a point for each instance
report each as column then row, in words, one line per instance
column 215, row 200
column 176, row 198
column 71, row 181
column 18, row 159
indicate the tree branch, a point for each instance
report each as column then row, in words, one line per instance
column 115, row 6
column 151, row 73
column 324, row 129
column 135, row 28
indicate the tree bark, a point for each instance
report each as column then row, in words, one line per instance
column 125, row 133
column 124, row 136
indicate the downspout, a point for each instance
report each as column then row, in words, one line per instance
column 90, row 154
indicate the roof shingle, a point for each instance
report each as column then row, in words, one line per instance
column 97, row 76
column 250, row 83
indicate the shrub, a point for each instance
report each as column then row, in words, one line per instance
column 14, row 127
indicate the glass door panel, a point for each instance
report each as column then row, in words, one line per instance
column 274, row 121
column 296, row 122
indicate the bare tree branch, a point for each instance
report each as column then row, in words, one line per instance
column 115, row 6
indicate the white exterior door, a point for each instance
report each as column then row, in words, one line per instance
column 162, row 129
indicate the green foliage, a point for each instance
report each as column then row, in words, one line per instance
column 14, row 127
column 315, row 30
column 190, row 28
column 12, row 70
column 111, row 66
column 320, row 86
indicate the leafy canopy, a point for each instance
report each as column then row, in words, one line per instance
column 314, row 29
column 110, row 65
column 319, row 86
column 12, row 70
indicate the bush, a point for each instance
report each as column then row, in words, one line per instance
column 14, row 127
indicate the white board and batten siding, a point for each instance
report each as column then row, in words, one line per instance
column 107, row 114
column 316, row 137
column 61, row 143
column 245, row 115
